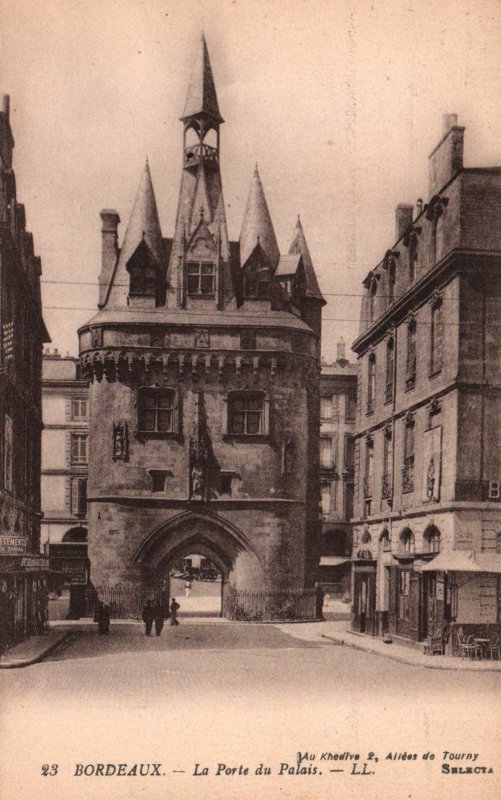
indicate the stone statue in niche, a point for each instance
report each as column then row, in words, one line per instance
column 430, row 479
column 120, row 441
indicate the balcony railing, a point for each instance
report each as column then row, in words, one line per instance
column 196, row 152
column 408, row 478
column 387, row 487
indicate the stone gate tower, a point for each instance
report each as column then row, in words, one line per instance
column 203, row 362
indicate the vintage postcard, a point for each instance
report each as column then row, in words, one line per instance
column 250, row 392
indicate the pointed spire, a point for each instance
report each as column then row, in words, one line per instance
column 201, row 97
column 143, row 222
column 257, row 226
column 298, row 245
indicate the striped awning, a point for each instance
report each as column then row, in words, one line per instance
column 463, row 561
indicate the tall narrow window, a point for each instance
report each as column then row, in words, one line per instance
column 372, row 300
column 387, row 484
column 408, row 466
column 326, row 407
column 325, row 452
column 371, row 383
column 391, row 280
column 390, row 370
column 404, row 587
column 78, row 409
column 437, row 337
column 78, row 448
column 78, row 496
column 351, row 408
column 410, row 377
column 369, row 467
column 325, row 498
column 8, row 482
column 413, row 258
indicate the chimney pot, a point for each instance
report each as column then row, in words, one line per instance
column 341, row 350
column 450, row 121
column 403, row 218
column 6, row 105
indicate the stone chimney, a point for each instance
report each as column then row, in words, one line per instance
column 109, row 250
column 341, row 351
column 6, row 105
column 447, row 157
column 403, row 218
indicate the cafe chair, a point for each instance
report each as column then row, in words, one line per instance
column 468, row 647
column 494, row 647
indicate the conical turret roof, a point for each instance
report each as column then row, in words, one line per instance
column 143, row 222
column 201, row 97
column 298, row 245
column 257, row 225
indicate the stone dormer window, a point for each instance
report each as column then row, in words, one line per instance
column 143, row 273
column 200, row 278
column 257, row 282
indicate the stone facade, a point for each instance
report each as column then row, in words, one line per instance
column 427, row 458
column 203, row 363
column 65, row 406
column 338, row 388
column 23, row 601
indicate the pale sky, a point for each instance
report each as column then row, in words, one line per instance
column 339, row 101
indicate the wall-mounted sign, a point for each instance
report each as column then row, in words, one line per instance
column 12, row 545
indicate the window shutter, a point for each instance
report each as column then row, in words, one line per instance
column 266, row 416
column 74, row 496
column 177, row 421
column 224, row 415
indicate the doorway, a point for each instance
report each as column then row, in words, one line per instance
column 197, row 583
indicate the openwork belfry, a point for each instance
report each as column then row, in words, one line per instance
column 203, row 362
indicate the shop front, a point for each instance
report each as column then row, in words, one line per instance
column 24, row 591
column 363, row 618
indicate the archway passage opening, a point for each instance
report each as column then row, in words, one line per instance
column 197, row 583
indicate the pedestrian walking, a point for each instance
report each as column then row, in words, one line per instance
column 158, row 616
column 174, row 608
column 103, row 618
column 148, row 615
column 187, row 588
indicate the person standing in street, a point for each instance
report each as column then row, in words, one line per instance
column 187, row 587
column 174, row 608
column 103, row 618
column 158, row 616
column 148, row 615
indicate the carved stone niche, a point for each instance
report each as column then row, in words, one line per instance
column 120, row 441
column 202, row 338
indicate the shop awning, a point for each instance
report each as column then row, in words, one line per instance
column 333, row 561
column 463, row 561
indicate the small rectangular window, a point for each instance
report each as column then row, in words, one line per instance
column 246, row 413
column 156, row 411
column 200, row 278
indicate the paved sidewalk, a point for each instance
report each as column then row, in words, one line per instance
column 338, row 633
column 33, row 649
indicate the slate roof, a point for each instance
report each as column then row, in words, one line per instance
column 201, row 97
column 298, row 245
column 257, row 224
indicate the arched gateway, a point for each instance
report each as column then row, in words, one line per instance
column 203, row 533
column 203, row 362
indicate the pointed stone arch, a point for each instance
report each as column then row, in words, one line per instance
column 200, row 532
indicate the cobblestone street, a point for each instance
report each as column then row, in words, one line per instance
column 215, row 692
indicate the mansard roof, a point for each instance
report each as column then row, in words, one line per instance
column 257, row 225
column 298, row 245
column 201, row 97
